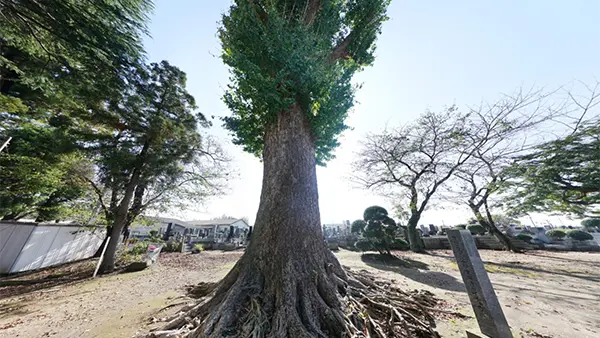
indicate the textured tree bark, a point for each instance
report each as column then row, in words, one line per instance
column 415, row 241
column 108, row 262
column 493, row 230
column 121, row 213
column 287, row 271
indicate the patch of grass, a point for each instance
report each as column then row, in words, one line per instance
column 493, row 268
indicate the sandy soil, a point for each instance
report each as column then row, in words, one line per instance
column 543, row 294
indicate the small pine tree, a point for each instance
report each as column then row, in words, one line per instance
column 378, row 230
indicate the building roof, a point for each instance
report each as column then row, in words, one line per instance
column 167, row 220
column 223, row 221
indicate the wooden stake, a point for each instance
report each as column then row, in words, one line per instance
column 5, row 144
column 101, row 257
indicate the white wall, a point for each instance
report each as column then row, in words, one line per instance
column 240, row 224
column 13, row 237
column 28, row 246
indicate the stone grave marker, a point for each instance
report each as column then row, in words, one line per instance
column 485, row 304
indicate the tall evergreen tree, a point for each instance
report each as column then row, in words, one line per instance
column 149, row 143
column 59, row 60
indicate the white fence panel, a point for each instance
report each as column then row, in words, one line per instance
column 93, row 239
column 29, row 246
column 14, row 237
column 55, row 254
column 34, row 252
column 6, row 231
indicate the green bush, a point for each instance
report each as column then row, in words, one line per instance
column 476, row 229
column 155, row 239
column 138, row 248
column 591, row 223
column 198, row 248
column 524, row 237
column 579, row 235
column 172, row 246
column 399, row 244
column 556, row 233
column 460, row 227
column 364, row 245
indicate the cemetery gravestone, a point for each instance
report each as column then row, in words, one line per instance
column 432, row 229
column 481, row 293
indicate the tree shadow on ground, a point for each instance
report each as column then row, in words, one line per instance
column 548, row 296
column 392, row 260
column 415, row 270
column 530, row 268
column 538, row 254
column 525, row 267
column 61, row 275
column 16, row 287
column 12, row 309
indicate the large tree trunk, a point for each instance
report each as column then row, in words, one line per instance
column 492, row 229
column 287, row 267
column 287, row 283
column 101, row 247
column 415, row 241
column 121, row 214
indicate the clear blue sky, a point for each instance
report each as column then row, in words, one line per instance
column 431, row 54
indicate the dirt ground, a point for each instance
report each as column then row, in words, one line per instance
column 543, row 294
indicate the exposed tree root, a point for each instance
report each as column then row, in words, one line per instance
column 342, row 303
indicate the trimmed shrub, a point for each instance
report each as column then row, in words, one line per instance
column 556, row 234
column 172, row 246
column 476, row 229
column 358, row 226
column 138, row 248
column 399, row 244
column 524, row 237
column 460, row 227
column 378, row 229
column 591, row 223
column 579, row 235
column 364, row 245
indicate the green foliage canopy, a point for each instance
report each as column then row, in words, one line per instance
column 358, row 226
column 562, row 175
column 282, row 53
column 591, row 223
column 556, row 233
column 150, row 141
column 579, row 235
column 379, row 230
column 51, row 51
column 476, row 229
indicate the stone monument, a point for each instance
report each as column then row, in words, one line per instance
column 485, row 304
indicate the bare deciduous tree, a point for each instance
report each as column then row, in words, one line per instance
column 418, row 158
